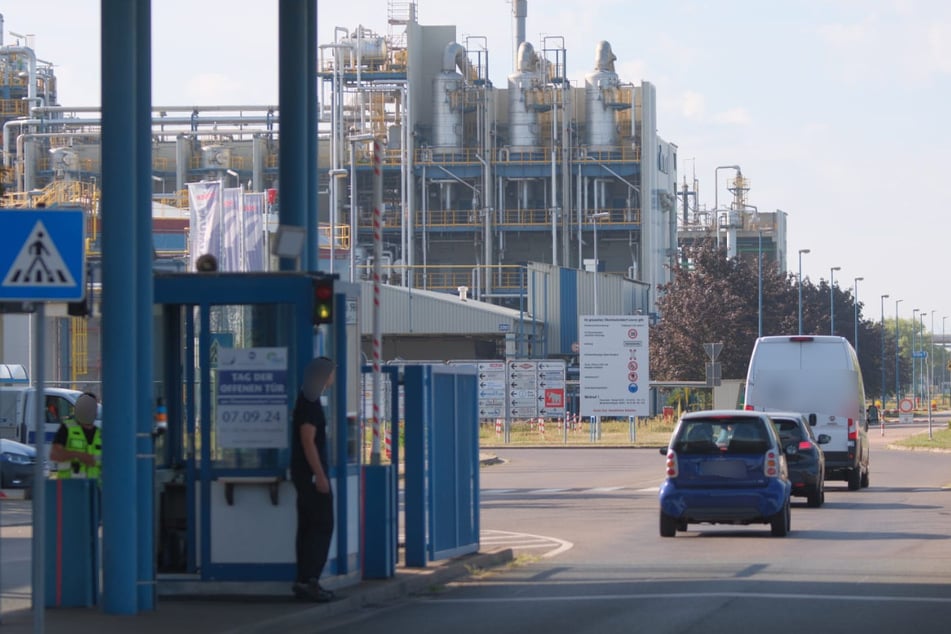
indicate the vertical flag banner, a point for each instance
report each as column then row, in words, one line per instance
column 204, row 205
column 232, row 256
column 254, row 207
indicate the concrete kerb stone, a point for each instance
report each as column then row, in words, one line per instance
column 378, row 592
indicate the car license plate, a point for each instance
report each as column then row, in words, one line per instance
column 724, row 468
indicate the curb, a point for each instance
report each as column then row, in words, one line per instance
column 376, row 593
column 924, row 449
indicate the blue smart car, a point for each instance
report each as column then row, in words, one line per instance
column 725, row 467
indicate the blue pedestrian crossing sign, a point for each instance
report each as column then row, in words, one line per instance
column 42, row 255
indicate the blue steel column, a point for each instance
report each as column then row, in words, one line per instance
column 145, row 447
column 118, row 305
column 292, row 101
column 313, row 217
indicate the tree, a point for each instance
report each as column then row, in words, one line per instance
column 715, row 299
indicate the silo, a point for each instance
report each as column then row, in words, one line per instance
column 447, row 100
column 601, row 130
column 523, row 118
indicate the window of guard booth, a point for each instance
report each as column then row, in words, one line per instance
column 336, row 398
column 251, row 401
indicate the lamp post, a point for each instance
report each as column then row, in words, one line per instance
column 921, row 345
column 930, row 370
column 884, row 297
column 594, row 222
column 855, row 302
column 914, row 362
column 716, row 197
column 832, row 298
column 801, row 253
column 897, row 350
column 947, row 366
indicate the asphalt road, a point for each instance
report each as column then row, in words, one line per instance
column 873, row 561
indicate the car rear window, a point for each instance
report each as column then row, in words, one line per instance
column 739, row 435
column 788, row 429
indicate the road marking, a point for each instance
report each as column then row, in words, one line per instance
column 649, row 490
column 497, row 491
column 518, row 541
column 546, row 491
column 696, row 595
column 603, row 489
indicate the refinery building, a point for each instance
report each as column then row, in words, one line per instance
column 524, row 203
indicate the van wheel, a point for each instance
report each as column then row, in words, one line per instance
column 855, row 479
column 668, row 525
column 779, row 523
column 864, row 482
column 814, row 499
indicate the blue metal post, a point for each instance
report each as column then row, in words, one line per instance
column 119, row 507
column 292, row 101
column 145, row 453
column 313, row 222
column 340, row 431
column 897, row 342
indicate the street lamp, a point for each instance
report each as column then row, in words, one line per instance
column 855, row 302
column 947, row 369
column 594, row 223
column 897, row 348
column 914, row 362
column 921, row 344
column 832, row 298
column 884, row 297
column 801, row 253
column 716, row 197
column 930, row 368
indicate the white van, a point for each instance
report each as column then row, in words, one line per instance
column 820, row 377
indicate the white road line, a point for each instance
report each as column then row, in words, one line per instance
column 546, row 491
column 649, row 490
column 603, row 489
column 528, row 540
column 496, row 491
column 699, row 595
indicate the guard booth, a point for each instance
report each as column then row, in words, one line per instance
column 232, row 348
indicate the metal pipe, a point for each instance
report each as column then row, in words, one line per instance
column 716, row 198
column 7, row 126
column 377, row 324
column 931, row 381
column 144, row 307
column 119, row 515
column 801, row 253
column 225, row 108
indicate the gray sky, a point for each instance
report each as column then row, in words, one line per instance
column 835, row 109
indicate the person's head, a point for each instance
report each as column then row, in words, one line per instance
column 318, row 376
column 86, row 408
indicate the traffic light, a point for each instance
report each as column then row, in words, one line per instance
column 323, row 300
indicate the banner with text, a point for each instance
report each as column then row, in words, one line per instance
column 204, row 205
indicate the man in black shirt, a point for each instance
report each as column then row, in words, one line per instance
column 309, row 465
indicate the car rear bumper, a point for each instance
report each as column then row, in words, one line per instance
column 740, row 505
column 802, row 479
column 18, row 476
column 838, row 461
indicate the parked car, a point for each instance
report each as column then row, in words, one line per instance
column 817, row 375
column 725, row 467
column 16, row 464
column 807, row 463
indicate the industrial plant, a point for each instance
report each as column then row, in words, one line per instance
column 529, row 203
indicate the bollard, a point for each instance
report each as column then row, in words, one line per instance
column 498, row 426
column 541, row 425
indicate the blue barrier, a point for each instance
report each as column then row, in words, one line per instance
column 442, row 463
column 72, row 543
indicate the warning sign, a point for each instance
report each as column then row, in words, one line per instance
column 42, row 255
column 38, row 262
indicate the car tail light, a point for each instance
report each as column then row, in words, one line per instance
column 805, row 445
column 853, row 430
column 748, row 407
column 772, row 464
column 672, row 468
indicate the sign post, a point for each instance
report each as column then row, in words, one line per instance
column 42, row 259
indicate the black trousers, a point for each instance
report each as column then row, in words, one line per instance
column 315, row 527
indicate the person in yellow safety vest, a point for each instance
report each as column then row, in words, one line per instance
column 77, row 446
